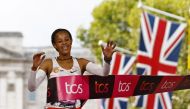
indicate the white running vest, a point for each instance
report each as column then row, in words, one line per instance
column 59, row 71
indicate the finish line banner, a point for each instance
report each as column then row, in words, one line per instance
column 94, row 87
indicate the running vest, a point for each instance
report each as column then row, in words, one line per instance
column 59, row 71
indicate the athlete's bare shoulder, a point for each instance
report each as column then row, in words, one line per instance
column 82, row 60
column 82, row 63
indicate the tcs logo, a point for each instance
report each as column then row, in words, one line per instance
column 101, row 87
column 147, row 86
column 123, row 87
column 168, row 85
column 73, row 88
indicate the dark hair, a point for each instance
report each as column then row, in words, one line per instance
column 57, row 31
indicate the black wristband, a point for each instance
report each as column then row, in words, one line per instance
column 107, row 60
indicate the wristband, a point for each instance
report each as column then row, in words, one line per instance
column 107, row 60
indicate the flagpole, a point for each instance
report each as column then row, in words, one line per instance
column 141, row 5
column 117, row 48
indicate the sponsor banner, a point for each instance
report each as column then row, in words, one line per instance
column 168, row 83
column 93, row 87
column 124, row 85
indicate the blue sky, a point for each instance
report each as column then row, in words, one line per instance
column 37, row 19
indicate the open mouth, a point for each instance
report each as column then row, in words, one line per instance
column 65, row 48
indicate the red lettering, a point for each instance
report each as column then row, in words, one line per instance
column 147, row 86
column 167, row 85
column 101, row 87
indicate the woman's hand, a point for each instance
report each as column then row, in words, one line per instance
column 108, row 51
column 37, row 60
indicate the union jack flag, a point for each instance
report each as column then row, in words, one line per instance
column 114, row 103
column 121, row 65
column 160, row 42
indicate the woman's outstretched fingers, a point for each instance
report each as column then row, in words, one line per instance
column 38, row 59
column 108, row 44
column 114, row 45
column 43, row 57
column 38, row 54
column 111, row 43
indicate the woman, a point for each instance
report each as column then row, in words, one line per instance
column 68, row 65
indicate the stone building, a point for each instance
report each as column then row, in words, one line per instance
column 15, row 64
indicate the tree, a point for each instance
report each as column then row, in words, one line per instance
column 111, row 21
column 119, row 20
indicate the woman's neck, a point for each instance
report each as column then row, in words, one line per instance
column 61, row 57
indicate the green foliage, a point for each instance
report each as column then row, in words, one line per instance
column 112, row 22
column 119, row 20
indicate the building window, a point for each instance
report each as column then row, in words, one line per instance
column 11, row 87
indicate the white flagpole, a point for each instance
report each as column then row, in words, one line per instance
column 117, row 48
column 141, row 5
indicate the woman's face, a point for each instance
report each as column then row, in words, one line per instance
column 63, row 43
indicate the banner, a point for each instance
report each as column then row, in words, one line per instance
column 112, row 86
